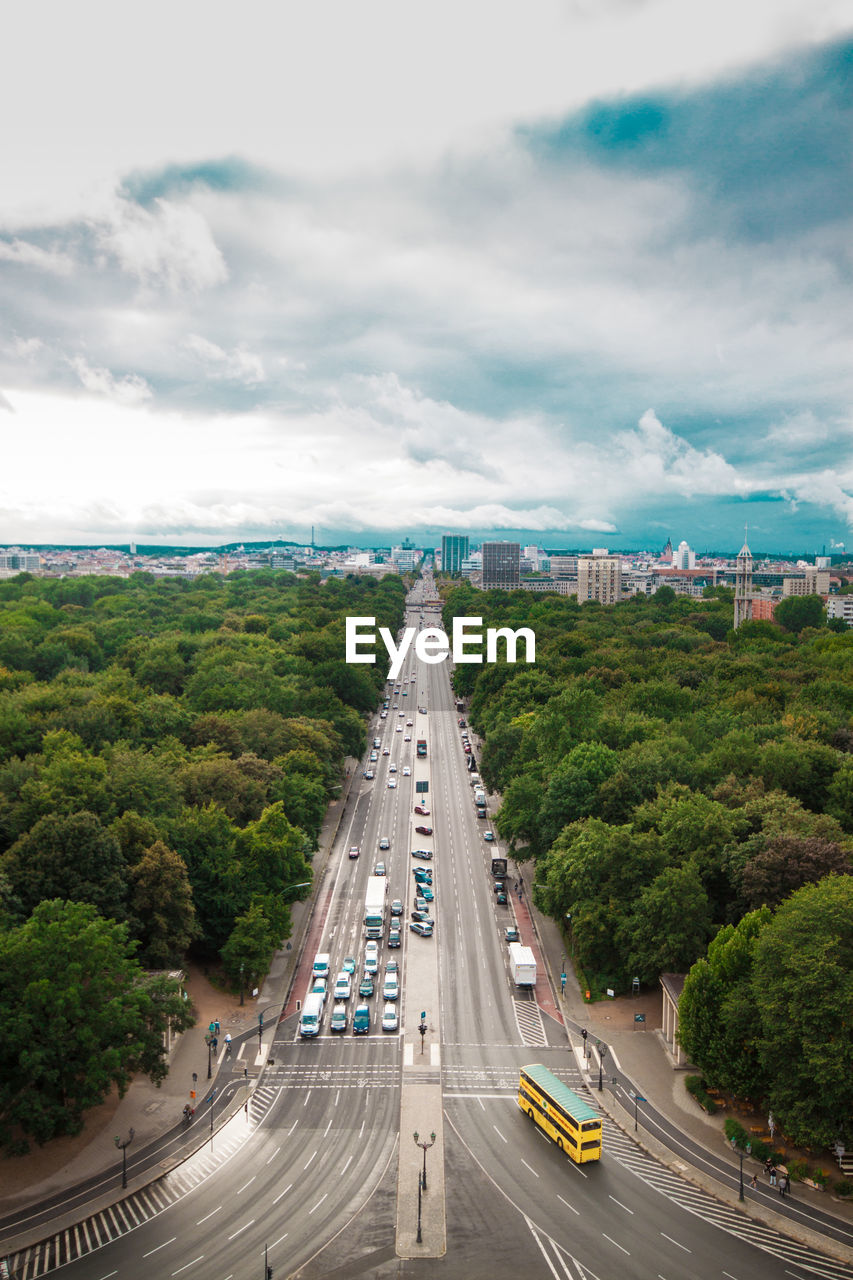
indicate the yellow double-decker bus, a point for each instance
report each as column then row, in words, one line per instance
column 566, row 1118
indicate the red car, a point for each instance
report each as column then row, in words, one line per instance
column 419, row 808
column 424, row 831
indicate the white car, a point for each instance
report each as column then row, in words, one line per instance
column 392, row 768
column 390, row 1018
column 408, row 738
column 407, row 773
column 371, row 964
column 392, row 782
column 371, row 948
column 390, row 987
column 410, row 723
column 399, row 728
column 343, row 987
column 384, row 842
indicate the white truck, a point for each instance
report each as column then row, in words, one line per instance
column 374, row 907
column 522, row 964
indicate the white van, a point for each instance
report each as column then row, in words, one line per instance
column 309, row 1019
column 322, row 961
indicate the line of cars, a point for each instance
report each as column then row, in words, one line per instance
column 343, row 990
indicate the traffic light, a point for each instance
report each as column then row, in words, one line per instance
column 269, row 1273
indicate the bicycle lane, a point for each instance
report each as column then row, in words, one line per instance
column 542, row 991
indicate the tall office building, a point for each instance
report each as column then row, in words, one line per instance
column 501, row 564
column 454, row 549
column 600, row 577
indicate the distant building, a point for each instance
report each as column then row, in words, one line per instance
column 454, row 549
column 743, row 587
column 813, row 582
column 282, row 560
column 764, row 608
column 684, row 558
column 501, row 565
column 600, row 577
column 564, row 567
column 20, row 561
column 840, row 607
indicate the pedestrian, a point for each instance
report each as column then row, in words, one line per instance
column 773, row 1172
column 768, row 1165
column 216, row 1024
column 754, row 1182
column 228, row 1043
column 787, row 1184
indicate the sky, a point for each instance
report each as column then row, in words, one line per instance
column 578, row 269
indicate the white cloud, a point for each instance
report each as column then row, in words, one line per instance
column 31, row 255
column 237, row 365
column 130, row 390
column 5, row 403
column 659, row 460
column 170, row 245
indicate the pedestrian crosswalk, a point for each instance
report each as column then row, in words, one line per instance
column 354, row 1076
column 125, row 1215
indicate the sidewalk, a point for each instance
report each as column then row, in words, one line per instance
column 151, row 1111
column 643, row 1057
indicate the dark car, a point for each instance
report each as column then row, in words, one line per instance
column 365, row 987
column 396, row 907
column 421, row 809
column 499, row 886
column 394, row 936
column 425, row 854
column 423, row 917
column 502, row 897
column 510, row 933
column 424, row 831
column 422, row 929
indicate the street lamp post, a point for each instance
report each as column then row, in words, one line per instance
column 122, row 1146
column 425, row 1146
column 208, row 1040
column 637, row 1098
column 602, row 1054
column 740, row 1152
column 241, row 983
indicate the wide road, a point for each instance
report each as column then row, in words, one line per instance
column 316, row 1176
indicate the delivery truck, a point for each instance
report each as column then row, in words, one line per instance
column 522, row 965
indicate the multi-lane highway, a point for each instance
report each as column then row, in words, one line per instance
column 319, row 1175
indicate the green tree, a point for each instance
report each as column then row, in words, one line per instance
column 718, row 1011
column 161, row 903
column 803, row 983
column 71, row 857
column 79, row 1017
column 795, row 613
column 248, row 952
column 786, row 863
column 669, row 925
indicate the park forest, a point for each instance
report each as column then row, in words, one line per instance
column 686, row 794
column 168, row 752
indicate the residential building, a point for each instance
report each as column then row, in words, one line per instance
column 600, row 577
column 840, row 607
column 813, row 582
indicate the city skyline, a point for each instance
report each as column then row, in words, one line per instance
column 596, row 297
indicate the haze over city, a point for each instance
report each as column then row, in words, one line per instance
column 580, row 273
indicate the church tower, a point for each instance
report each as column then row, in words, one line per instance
column 743, row 586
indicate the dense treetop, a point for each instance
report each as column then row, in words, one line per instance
column 669, row 777
column 168, row 749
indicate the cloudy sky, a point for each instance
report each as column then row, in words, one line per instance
column 579, row 269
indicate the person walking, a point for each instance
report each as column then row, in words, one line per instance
column 768, row 1165
column 786, row 1185
column 773, row 1172
column 754, row 1182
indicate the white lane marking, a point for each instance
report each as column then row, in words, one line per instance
column 622, row 1206
column 249, row 1183
column 305, row 1166
column 527, row 1166
column 208, row 1215
column 279, row 1240
column 242, row 1229
column 328, row 1127
column 283, row 1193
column 240, row 1052
column 551, row 1267
column 480, row 1100
column 347, row 1165
column 675, row 1242
column 292, row 1127
column 618, row 1246
column 319, row 1202
column 273, row 1156
column 307, row 1096
column 337, row 1096
column 159, row 1247
column 498, row 1132
column 187, row 1265
column 569, row 1206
